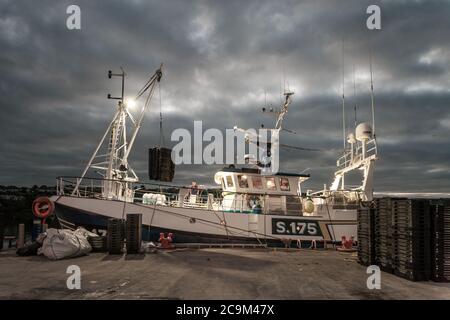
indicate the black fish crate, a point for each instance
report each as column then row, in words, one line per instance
column 133, row 232
column 366, row 243
column 411, row 239
column 383, row 233
column 160, row 164
column 410, row 213
column 440, row 240
column 115, row 235
column 411, row 264
column 98, row 243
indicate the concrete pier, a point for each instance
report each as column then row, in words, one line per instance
column 214, row 273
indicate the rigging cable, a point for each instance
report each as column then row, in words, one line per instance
column 343, row 95
column 215, row 224
column 331, row 225
column 161, row 135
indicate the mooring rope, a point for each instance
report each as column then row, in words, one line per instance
column 207, row 222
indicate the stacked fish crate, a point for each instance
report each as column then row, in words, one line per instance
column 160, row 164
column 98, row 243
column 440, row 240
column 411, row 238
column 133, row 232
column 383, row 234
column 366, row 243
column 115, row 236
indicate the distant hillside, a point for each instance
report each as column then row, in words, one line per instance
column 15, row 204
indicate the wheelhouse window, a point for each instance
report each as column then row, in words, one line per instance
column 223, row 183
column 284, row 184
column 243, row 181
column 270, row 184
column 230, row 182
column 257, row 182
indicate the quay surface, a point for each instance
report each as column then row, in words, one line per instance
column 214, row 273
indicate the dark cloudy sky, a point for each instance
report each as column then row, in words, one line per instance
column 220, row 57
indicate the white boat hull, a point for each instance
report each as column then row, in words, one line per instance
column 200, row 225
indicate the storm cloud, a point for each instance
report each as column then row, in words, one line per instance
column 221, row 59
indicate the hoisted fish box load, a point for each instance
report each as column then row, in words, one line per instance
column 160, row 164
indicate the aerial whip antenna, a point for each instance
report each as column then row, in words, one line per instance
column 343, row 95
column 265, row 98
column 354, row 92
column 371, row 88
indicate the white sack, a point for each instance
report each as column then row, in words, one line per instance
column 62, row 243
column 84, row 233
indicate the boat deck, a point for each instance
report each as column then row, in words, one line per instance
column 213, row 273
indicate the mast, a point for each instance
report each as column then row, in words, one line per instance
column 114, row 163
column 283, row 110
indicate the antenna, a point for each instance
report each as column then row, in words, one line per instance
column 281, row 92
column 122, row 75
column 265, row 98
column 343, row 95
column 371, row 87
column 354, row 92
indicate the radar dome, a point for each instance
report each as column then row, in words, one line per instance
column 351, row 138
column 363, row 132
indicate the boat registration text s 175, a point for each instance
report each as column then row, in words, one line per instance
column 295, row 227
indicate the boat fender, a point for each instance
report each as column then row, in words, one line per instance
column 309, row 206
column 43, row 207
column 165, row 242
column 347, row 244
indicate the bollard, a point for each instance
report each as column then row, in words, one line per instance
column 21, row 236
column 2, row 237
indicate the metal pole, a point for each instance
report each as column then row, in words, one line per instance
column 123, row 84
column 21, row 236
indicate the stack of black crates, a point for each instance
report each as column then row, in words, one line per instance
column 115, row 235
column 383, row 234
column 411, row 238
column 440, row 240
column 160, row 164
column 407, row 237
column 133, row 233
column 366, row 234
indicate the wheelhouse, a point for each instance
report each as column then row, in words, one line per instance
column 247, row 190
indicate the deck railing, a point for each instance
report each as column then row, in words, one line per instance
column 346, row 160
column 155, row 194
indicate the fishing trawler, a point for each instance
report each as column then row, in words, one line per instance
column 250, row 205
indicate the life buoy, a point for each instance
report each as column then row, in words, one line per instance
column 43, row 207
